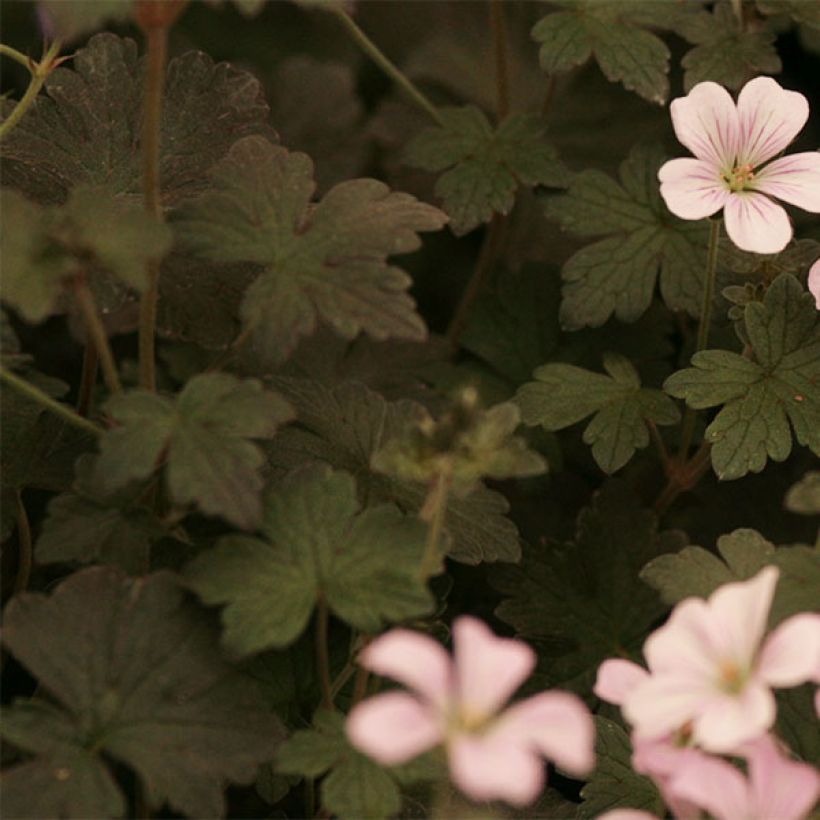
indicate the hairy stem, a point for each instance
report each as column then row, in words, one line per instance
column 385, row 64
column 498, row 24
column 24, row 554
column 88, row 379
column 39, row 73
column 96, row 334
column 322, row 657
column 35, row 394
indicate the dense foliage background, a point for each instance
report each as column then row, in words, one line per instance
column 190, row 572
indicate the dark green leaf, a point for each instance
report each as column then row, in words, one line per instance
column 563, row 395
column 486, row 165
column 614, row 784
column 583, row 602
column 204, row 436
column 804, row 497
column 797, row 722
column 643, row 242
column 136, row 675
column 807, row 14
column 319, row 543
column 760, row 396
column 326, row 261
column 69, row 18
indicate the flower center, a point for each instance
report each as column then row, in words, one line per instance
column 739, row 177
column 731, row 678
column 470, row 720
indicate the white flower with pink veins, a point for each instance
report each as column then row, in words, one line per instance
column 733, row 168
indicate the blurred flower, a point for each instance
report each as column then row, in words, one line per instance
column 731, row 144
column 491, row 754
column 710, row 671
column 814, row 282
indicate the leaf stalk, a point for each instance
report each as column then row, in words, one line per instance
column 322, row 656
column 97, row 335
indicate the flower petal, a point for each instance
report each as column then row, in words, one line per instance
column 692, row 188
column 814, row 282
column 780, row 787
column 490, row 767
column 794, row 179
column 727, row 721
column 770, row 118
column 617, row 678
column 791, row 653
column 627, row 814
column 488, row 668
column 664, row 703
column 393, row 727
column 557, row 724
column 706, row 122
column 755, row 223
column 415, row 660
column 714, row 785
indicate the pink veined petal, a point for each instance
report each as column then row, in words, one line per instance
column 794, row 179
column 706, row 122
column 415, row 660
column 755, row 223
column 556, row 724
column 770, row 118
column 791, row 654
column 727, row 721
column 393, row 727
column 664, row 703
column 780, row 787
column 739, row 613
column 692, row 188
column 492, row 767
column 662, row 760
column 488, row 669
column 617, row 678
column 714, row 785
column 814, row 282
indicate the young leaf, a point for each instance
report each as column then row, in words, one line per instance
column 319, row 543
column 326, row 261
column 583, row 601
column 563, row 394
column 614, row 783
column 486, row 165
column 643, row 242
column 760, row 396
column 205, row 437
column 136, row 675
column 345, row 426
column 612, row 33
column 726, row 51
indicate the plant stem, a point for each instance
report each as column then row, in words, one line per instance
column 24, row 555
column 487, row 257
column 35, row 394
column 96, row 333
column 663, row 454
column 17, row 56
column 157, row 40
column 322, row 658
column 39, row 73
column 385, row 64
column 498, row 24
column 360, row 685
column 685, row 478
column 703, row 328
column 88, row 379
column 433, row 512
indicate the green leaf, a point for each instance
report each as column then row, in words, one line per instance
column 742, row 554
column 42, row 247
column 727, row 52
column 70, row 18
column 86, row 127
column 643, row 242
column 345, row 426
column 327, row 261
column 356, row 786
column 583, row 602
column 804, row 497
column 319, row 544
column 202, row 437
column 464, row 445
column 807, row 14
column 486, row 165
column 563, row 394
column 797, row 722
column 760, row 396
column 136, row 675
column 611, row 32
column 614, row 784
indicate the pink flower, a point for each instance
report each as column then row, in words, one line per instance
column 710, row 671
column 732, row 145
column 775, row 788
column 814, row 282
column 457, row 702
